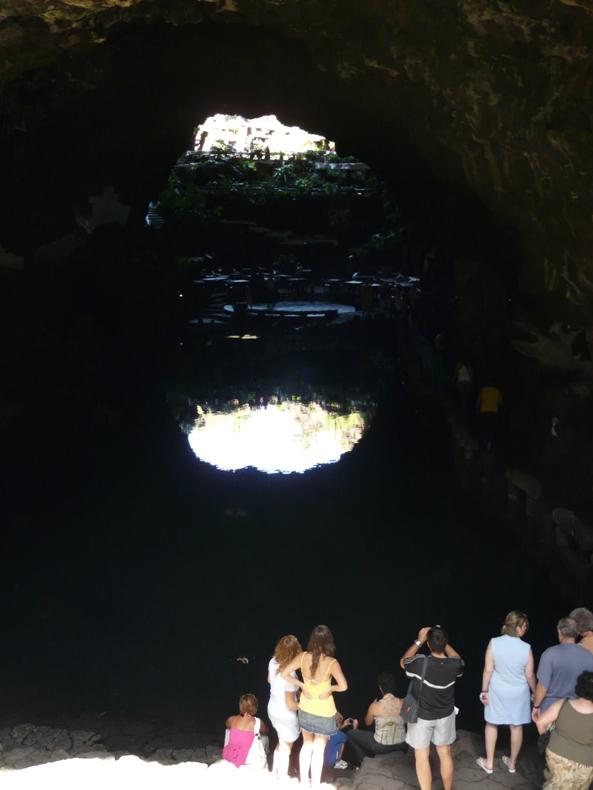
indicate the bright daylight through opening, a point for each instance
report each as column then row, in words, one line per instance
column 277, row 437
column 264, row 137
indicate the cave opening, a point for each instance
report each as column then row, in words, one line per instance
column 256, row 138
column 119, row 331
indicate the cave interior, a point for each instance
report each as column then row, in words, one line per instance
column 90, row 315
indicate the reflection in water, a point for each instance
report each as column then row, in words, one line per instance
column 276, row 437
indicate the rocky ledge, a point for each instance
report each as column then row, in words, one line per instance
column 34, row 757
column 396, row 771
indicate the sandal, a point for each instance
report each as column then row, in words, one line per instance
column 507, row 761
column 481, row 762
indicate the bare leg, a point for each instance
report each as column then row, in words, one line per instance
column 305, row 757
column 516, row 742
column 281, row 758
column 490, row 736
column 423, row 771
column 446, row 760
column 319, row 744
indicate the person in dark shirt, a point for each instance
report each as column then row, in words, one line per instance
column 436, row 713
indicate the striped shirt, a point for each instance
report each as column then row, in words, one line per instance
column 438, row 690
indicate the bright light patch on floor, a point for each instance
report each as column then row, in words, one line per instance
column 129, row 773
column 282, row 437
column 257, row 136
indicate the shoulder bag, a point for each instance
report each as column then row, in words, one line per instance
column 411, row 704
column 257, row 757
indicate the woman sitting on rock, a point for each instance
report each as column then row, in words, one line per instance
column 389, row 729
column 317, row 709
column 569, row 755
column 242, row 731
column 283, row 705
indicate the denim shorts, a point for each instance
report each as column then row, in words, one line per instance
column 318, row 725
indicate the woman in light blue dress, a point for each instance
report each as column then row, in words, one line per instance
column 507, row 684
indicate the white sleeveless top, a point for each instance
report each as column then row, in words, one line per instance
column 279, row 686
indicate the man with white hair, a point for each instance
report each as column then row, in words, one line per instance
column 584, row 620
column 560, row 666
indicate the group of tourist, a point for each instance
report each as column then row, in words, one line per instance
column 558, row 699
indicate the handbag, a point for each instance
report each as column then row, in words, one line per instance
column 257, row 756
column 411, row 704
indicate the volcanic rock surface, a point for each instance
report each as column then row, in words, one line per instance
column 488, row 99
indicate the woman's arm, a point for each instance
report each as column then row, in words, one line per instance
column 530, row 672
column 539, row 694
column 338, row 676
column 487, row 673
column 543, row 720
column 290, row 698
column 292, row 667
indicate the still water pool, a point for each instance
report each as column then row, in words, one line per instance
column 138, row 575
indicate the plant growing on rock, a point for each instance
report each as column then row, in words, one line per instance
column 182, row 202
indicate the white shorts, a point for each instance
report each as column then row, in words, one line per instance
column 285, row 722
column 441, row 732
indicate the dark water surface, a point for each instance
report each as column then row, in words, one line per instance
column 135, row 575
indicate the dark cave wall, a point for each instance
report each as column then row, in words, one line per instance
column 122, row 113
column 478, row 114
column 489, row 99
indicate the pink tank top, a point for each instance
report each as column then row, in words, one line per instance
column 238, row 747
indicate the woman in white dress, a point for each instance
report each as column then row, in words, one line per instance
column 507, row 684
column 283, row 705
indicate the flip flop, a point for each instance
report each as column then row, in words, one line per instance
column 507, row 761
column 481, row 762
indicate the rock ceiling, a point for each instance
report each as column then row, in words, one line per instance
column 495, row 96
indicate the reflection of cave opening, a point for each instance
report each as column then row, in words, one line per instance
column 277, row 436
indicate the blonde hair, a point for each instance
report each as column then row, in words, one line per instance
column 287, row 648
column 514, row 620
column 248, row 704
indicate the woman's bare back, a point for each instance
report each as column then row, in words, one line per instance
column 322, row 671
